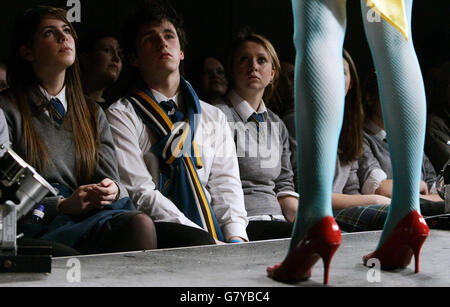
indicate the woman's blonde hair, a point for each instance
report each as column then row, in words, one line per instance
column 264, row 42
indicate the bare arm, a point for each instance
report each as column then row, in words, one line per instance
column 289, row 205
column 385, row 188
column 344, row 201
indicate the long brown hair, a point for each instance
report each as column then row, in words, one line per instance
column 81, row 116
column 351, row 138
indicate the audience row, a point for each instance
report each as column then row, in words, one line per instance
column 177, row 162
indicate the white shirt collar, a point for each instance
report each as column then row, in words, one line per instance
column 243, row 108
column 375, row 130
column 61, row 96
column 161, row 97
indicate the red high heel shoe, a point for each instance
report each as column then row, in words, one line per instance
column 322, row 240
column 405, row 240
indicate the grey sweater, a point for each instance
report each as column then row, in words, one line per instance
column 264, row 176
column 438, row 134
column 376, row 155
column 61, row 150
column 345, row 178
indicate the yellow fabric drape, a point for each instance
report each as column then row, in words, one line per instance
column 393, row 11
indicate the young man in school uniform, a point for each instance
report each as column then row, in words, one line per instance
column 176, row 154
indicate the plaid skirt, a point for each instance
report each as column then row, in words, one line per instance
column 363, row 218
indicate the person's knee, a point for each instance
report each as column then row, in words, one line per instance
column 202, row 238
column 142, row 220
column 143, row 229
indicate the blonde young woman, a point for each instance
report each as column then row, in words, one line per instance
column 262, row 139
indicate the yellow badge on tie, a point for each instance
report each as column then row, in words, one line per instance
column 393, row 11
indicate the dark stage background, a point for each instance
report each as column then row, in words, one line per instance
column 211, row 25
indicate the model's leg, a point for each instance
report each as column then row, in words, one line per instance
column 402, row 97
column 319, row 30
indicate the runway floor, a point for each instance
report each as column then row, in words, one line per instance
column 239, row 265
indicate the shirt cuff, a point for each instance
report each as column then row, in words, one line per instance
column 52, row 200
column 287, row 193
column 433, row 189
column 234, row 230
column 373, row 181
column 268, row 218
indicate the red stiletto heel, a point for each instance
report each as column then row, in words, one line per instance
column 405, row 240
column 322, row 240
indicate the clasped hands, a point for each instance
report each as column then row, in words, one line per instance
column 88, row 197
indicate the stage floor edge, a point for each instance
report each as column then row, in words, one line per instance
column 239, row 265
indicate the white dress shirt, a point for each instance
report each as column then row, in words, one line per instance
column 61, row 96
column 139, row 166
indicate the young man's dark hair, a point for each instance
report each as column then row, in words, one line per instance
column 150, row 12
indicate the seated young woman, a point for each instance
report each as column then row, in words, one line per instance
column 352, row 210
column 261, row 137
column 207, row 75
column 375, row 168
column 101, row 64
column 68, row 141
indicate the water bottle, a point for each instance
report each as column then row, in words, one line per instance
column 38, row 214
